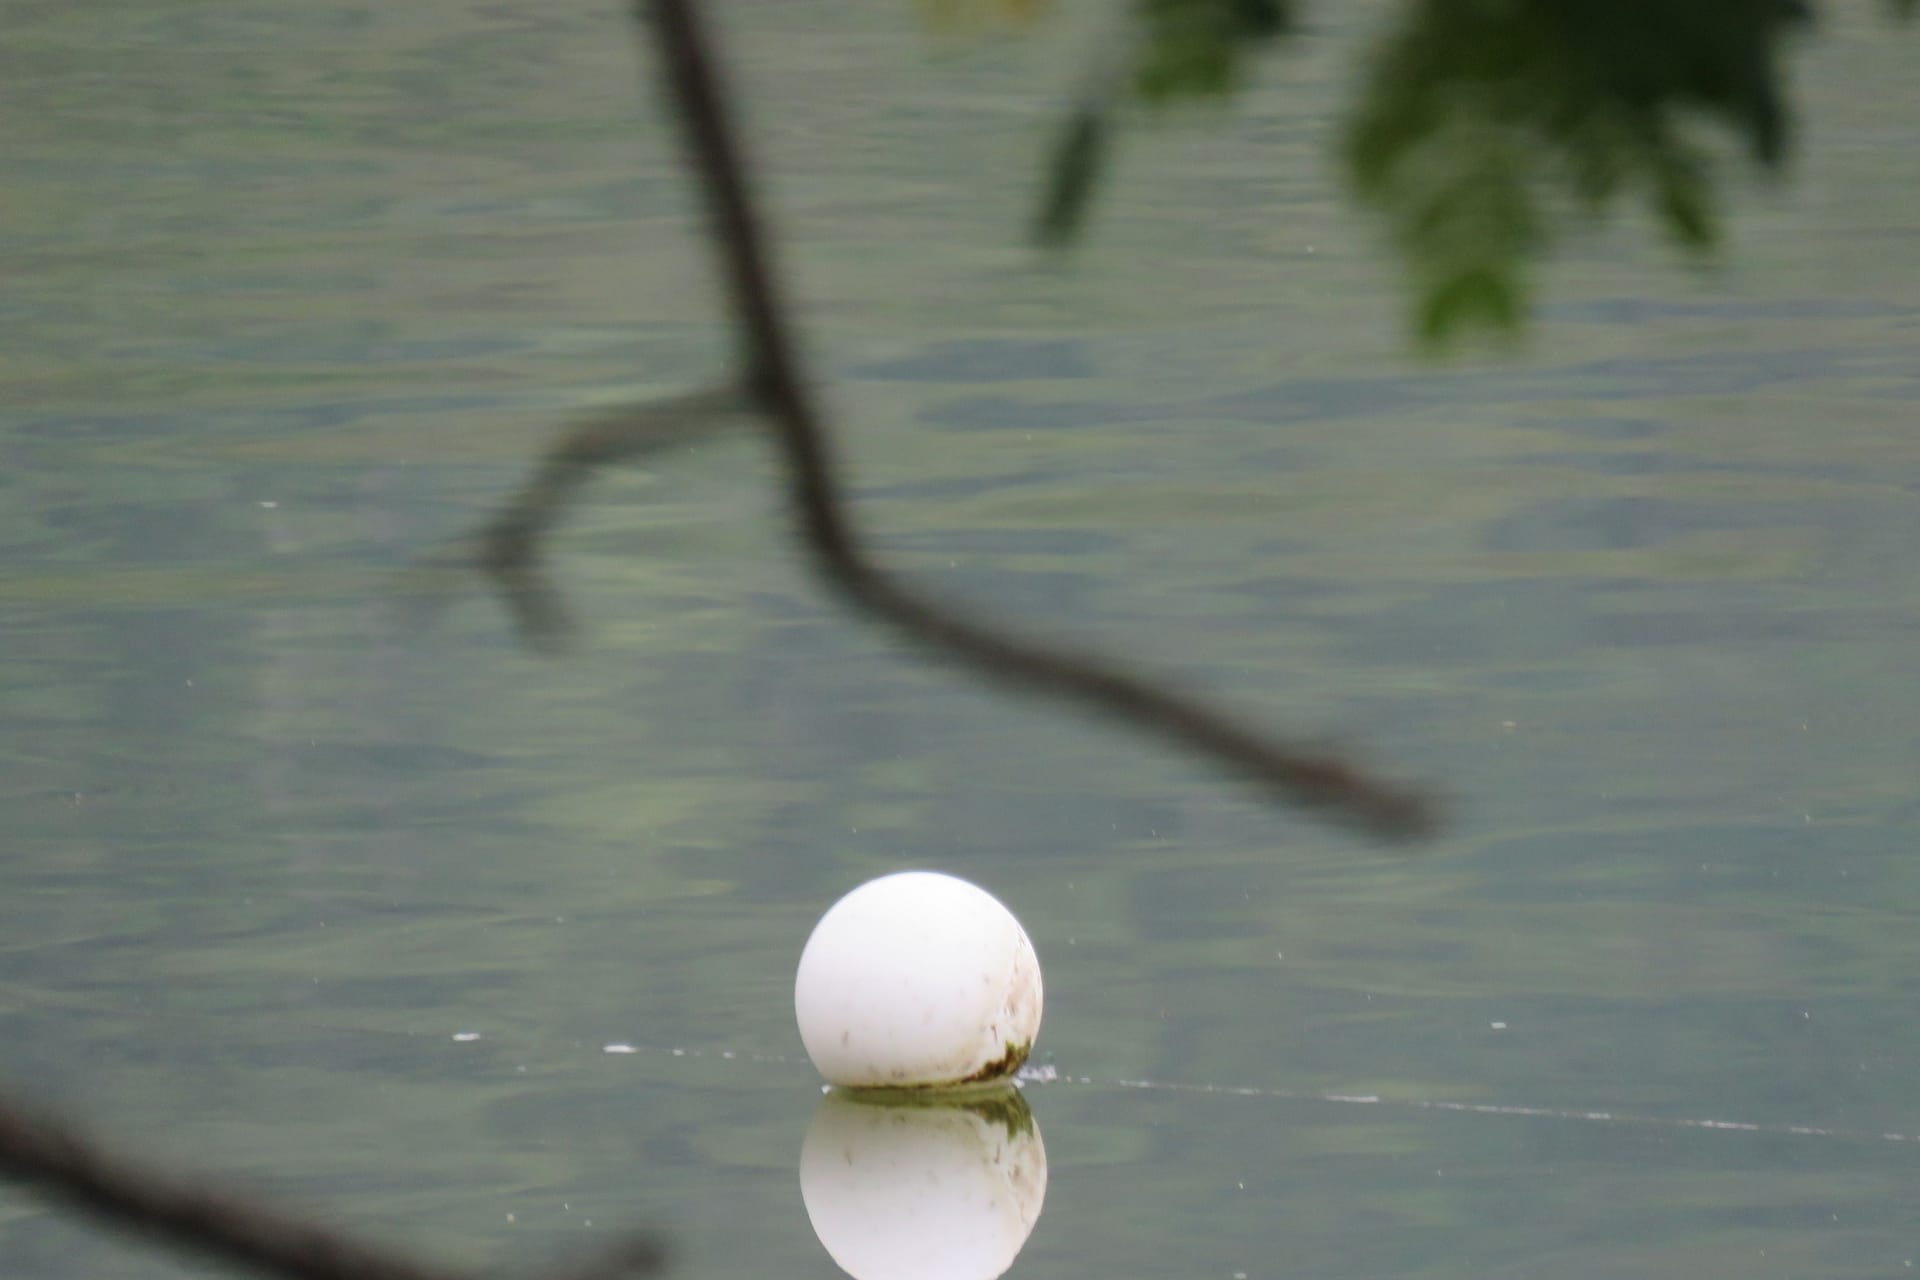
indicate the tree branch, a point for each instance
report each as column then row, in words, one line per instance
column 507, row 548
column 1324, row 782
column 64, row 1165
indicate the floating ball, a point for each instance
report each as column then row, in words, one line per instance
column 914, row 980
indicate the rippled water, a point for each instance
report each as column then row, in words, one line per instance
column 292, row 292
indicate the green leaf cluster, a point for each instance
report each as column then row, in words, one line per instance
column 1197, row 48
column 1485, row 128
column 1183, row 49
column 1483, row 124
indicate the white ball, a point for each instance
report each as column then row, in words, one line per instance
column 917, row 979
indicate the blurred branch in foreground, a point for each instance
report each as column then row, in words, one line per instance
column 774, row 384
column 507, row 548
column 63, row 1165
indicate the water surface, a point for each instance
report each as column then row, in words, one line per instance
column 294, row 291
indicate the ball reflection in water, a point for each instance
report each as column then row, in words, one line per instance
column 924, row 1186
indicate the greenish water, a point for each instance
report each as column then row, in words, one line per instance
column 292, row 293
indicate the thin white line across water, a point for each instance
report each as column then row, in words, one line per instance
column 1047, row 1074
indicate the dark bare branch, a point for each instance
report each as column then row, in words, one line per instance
column 1328, row 783
column 507, row 549
column 59, row 1162
column 46, row 1154
column 636, row 1255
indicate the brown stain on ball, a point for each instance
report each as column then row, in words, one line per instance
column 1005, row 1065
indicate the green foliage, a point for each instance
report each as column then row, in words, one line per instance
column 1185, row 49
column 1485, row 128
column 1197, row 48
column 1477, row 114
column 1079, row 156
